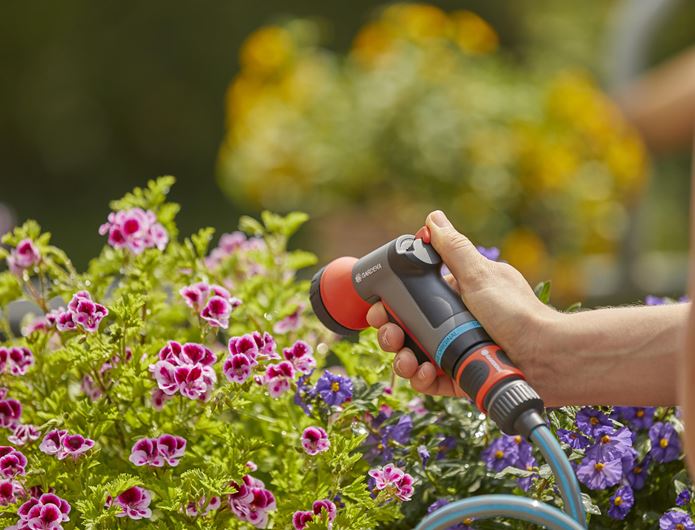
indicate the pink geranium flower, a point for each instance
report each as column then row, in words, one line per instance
column 135, row 503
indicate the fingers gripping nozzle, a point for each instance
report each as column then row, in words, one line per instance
column 405, row 274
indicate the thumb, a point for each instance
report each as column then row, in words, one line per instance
column 466, row 264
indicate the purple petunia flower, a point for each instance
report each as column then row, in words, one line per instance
column 290, row 323
column 24, row 256
column 676, row 520
column 12, row 462
column 252, row 502
column 186, row 369
column 576, row 440
column 10, row 491
column 23, row 434
column 315, row 440
column 61, row 444
column 74, row 445
column 237, row 368
column 135, row 503
column 491, row 253
column 301, row 355
column 598, row 474
column 47, row 512
column 636, row 474
column 304, row 394
column 145, row 452
column 85, row 312
column 10, row 413
column 334, row 389
column 666, row 445
column 684, row 497
column 506, row 451
column 202, row 507
column 15, row 360
column 382, row 440
column 277, row 378
column 613, row 444
column 135, row 230
column 300, row 519
column 621, row 502
column 424, row 455
column 637, row 417
column 158, row 399
column 592, row 422
column 393, row 479
column 213, row 303
column 65, row 321
column 171, row 448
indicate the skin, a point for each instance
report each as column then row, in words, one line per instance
column 613, row 356
column 687, row 358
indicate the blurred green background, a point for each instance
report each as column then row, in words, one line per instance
column 97, row 97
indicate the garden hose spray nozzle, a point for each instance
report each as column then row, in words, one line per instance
column 405, row 274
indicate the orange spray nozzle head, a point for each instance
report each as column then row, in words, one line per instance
column 335, row 300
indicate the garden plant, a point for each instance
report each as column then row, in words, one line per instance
column 426, row 110
column 181, row 383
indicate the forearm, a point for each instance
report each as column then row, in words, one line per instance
column 614, row 356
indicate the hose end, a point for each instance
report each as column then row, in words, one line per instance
column 516, row 408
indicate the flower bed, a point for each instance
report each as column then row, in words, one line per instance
column 174, row 385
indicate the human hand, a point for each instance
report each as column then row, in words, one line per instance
column 496, row 293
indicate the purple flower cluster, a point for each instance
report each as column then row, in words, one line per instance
column 334, row 389
column 213, row 303
column 62, row 444
column 315, row 440
column 395, row 482
column 252, row 502
column 676, row 520
column 290, row 323
column 301, row 519
column 83, row 312
column 244, row 353
column 15, row 360
column 133, row 502
column 186, row 369
column 155, row 452
column 47, row 512
column 384, row 436
column 666, row 444
column 301, row 355
column 24, row 256
column 22, row 434
column 10, row 411
column 135, row 229
column 10, row 491
column 203, row 507
column 277, row 378
column 230, row 244
column 510, row 451
column 12, row 462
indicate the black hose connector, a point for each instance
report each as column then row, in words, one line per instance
column 511, row 403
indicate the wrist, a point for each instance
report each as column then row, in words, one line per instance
column 547, row 358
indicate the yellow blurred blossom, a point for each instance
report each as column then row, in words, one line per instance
column 266, row 50
column 472, row 33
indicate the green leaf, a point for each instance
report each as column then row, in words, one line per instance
column 542, row 291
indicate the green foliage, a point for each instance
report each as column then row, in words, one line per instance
column 99, row 384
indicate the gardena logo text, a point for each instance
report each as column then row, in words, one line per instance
column 371, row 270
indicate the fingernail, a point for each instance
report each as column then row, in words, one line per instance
column 397, row 365
column 421, row 374
column 439, row 219
column 385, row 338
